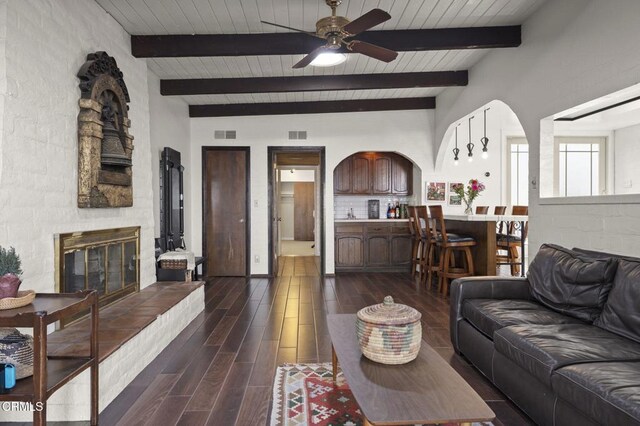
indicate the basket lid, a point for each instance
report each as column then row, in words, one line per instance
column 389, row 313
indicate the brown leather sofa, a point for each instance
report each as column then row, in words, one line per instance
column 564, row 343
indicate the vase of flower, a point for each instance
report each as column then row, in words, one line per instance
column 468, row 194
column 468, row 207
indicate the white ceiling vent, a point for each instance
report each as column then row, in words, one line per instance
column 297, row 134
column 224, row 134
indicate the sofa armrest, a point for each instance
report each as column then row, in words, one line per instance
column 482, row 288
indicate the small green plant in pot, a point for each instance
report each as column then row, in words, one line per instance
column 10, row 271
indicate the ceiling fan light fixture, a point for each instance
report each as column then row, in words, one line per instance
column 329, row 59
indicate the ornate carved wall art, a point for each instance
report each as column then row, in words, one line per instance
column 104, row 143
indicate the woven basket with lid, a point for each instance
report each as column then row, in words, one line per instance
column 389, row 333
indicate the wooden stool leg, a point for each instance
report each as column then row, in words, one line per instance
column 470, row 269
column 513, row 256
column 445, row 271
column 430, row 264
column 414, row 257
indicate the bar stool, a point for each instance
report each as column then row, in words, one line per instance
column 510, row 241
column 482, row 209
column 416, row 241
column 499, row 211
column 449, row 244
column 429, row 252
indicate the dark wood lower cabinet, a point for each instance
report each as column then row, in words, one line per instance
column 373, row 246
column 349, row 251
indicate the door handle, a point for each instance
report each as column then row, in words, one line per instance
column 241, row 220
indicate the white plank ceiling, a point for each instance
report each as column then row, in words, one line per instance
column 157, row 17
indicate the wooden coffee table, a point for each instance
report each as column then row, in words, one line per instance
column 425, row 390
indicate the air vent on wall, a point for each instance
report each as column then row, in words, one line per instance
column 297, row 134
column 224, row 134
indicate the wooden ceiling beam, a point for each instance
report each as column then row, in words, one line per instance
column 320, row 107
column 181, row 45
column 217, row 86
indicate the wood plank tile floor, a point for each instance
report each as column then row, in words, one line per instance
column 220, row 369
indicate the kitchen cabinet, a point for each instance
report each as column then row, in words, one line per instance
column 381, row 176
column 342, row 177
column 361, row 180
column 374, row 173
column 373, row 246
column 349, row 246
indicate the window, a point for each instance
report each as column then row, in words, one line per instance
column 518, row 171
column 581, row 166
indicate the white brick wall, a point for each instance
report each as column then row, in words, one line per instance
column 42, row 46
column 170, row 127
column 73, row 403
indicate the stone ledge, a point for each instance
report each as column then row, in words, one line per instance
column 157, row 314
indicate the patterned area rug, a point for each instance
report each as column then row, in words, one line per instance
column 304, row 394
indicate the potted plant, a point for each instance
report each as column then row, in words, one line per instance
column 10, row 271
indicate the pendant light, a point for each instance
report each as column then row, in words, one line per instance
column 456, row 151
column 470, row 145
column 485, row 140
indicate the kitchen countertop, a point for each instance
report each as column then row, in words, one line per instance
column 370, row 220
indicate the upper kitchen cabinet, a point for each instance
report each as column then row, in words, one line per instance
column 362, row 170
column 373, row 173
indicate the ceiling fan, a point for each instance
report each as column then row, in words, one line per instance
column 337, row 29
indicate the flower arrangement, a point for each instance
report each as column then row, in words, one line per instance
column 470, row 193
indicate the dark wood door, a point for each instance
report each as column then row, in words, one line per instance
column 361, row 179
column 225, row 211
column 342, row 177
column 303, row 206
column 382, row 174
column 402, row 176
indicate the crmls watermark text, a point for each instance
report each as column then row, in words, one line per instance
column 21, row 406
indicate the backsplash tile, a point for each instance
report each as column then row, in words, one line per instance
column 343, row 203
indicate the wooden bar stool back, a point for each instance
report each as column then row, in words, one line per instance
column 449, row 244
column 482, row 209
column 416, row 240
column 513, row 239
column 422, row 227
column 499, row 211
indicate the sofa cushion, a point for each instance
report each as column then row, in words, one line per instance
column 489, row 315
column 621, row 313
column 542, row 349
column 571, row 283
column 606, row 391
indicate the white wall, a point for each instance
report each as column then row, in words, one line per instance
column 406, row 132
column 501, row 124
column 572, row 51
column 627, row 152
column 169, row 128
column 46, row 43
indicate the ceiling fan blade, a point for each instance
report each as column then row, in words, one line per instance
column 376, row 52
column 310, row 57
column 290, row 28
column 366, row 21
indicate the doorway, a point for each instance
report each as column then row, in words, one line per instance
column 296, row 209
column 225, row 186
